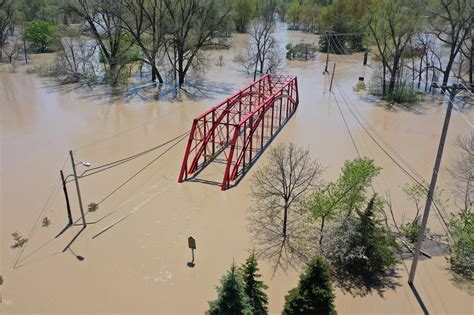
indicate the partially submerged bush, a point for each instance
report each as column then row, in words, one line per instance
column 360, row 86
column 411, row 230
column 300, row 51
column 19, row 240
column 92, row 207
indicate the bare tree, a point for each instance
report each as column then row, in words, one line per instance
column 75, row 60
column 144, row 20
column 192, row 25
column 462, row 173
column 7, row 14
column 278, row 189
column 103, row 19
column 392, row 24
column 451, row 23
column 12, row 49
column 262, row 54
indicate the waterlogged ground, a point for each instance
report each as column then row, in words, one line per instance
column 139, row 265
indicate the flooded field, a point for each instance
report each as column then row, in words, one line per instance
column 139, row 265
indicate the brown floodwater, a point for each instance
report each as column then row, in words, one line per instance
column 139, row 265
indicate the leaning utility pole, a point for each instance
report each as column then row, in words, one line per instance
column 452, row 92
column 328, row 46
column 78, row 190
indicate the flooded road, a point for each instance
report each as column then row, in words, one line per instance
column 139, row 265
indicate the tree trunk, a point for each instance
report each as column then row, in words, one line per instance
column 393, row 74
column 155, row 74
column 285, row 221
column 471, row 62
column 322, row 229
column 447, row 71
column 383, row 79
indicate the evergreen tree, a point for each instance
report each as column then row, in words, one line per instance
column 254, row 288
column 314, row 293
column 376, row 243
column 231, row 299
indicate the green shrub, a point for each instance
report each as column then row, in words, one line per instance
column 360, row 86
column 41, row 35
column 462, row 245
column 314, row 294
column 92, row 207
column 231, row 296
column 411, row 230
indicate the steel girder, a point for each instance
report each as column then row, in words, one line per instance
column 241, row 127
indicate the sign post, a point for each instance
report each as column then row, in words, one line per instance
column 192, row 246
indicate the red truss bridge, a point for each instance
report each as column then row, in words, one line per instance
column 240, row 128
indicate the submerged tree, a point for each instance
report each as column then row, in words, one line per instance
column 231, row 296
column 192, row 25
column 262, row 54
column 392, row 25
column 7, row 16
column 145, row 21
column 278, row 189
column 103, row 18
column 254, row 288
column 314, row 294
column 242, row 13
column 451, row 22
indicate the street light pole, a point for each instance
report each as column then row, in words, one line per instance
column 77, row 187
column 421, row 235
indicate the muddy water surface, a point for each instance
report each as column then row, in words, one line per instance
column 139, row 265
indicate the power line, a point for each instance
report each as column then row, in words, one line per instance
column 107, row 166
column 441, row 218
column 141, row 170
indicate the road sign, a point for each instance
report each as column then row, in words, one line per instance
column 191, row 242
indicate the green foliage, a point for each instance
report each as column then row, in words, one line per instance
column 360, row 86
column 347, row 17
column 300, row 51
column 402, row 94
column 243, row 11
column 411, row 230
column 293, row 14
column 46, row 222
column 41, row 35
column 361, row 246
column 462, row 245
column 45, row 10
column 92, row 207
column 19, row 240
column 254, row 288
column 341, row 198
column 314, row 293
column 357, row 176
column 231, row 298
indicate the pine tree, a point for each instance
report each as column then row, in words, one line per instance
column 314, row 293
column 231, row 299
column 377, row 244
column 254, row 288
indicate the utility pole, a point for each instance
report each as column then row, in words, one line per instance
column 78, row 190
column 452, row 92
column 67, row 197
column 332, row 77
column 328, row 44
